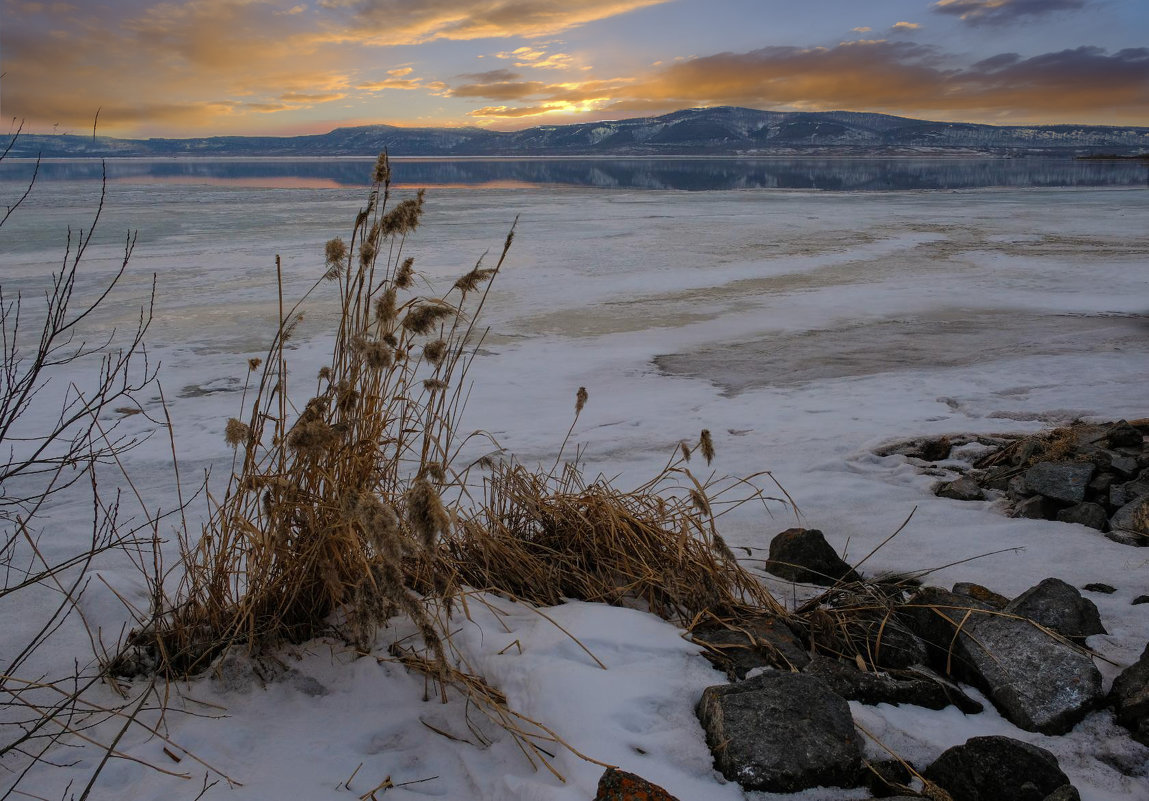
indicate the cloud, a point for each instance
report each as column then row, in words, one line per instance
column 537, row 58
column 863, row 29
column 984, row 12
column 893, row 77
column 905, row 26
column 391, row 22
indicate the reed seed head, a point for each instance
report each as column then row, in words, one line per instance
column 335, row 250
column 367, row 251
column 385, row 307
column 425, row 513
column 422, row 318
column 685, row 450
column 404, row 218
column 324, row 373
column 580, row 399
column 700, row 502
column 472, row 280
column 706, row 445
column 237, row 433
column 381, row 174
column 405, row 275
column 434, row 352
column 254, row 363
column 435, row 385
column 434, row 471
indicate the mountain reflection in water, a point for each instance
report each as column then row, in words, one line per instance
column 696, row 174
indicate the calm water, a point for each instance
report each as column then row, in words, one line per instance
column 693, row 174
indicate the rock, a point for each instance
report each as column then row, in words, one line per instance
column 1060, row 607
column 1102, row 588
column 781, row 732
column 1141, row 599
column 996, row 769
column 1066, row 792
column 1016, row 490
column 802, row 554
column 618, row 785
column 1122, row 494
column 1099, row 487
column 1130, row 698
column 1037, row 682
column 882, row 638
column 761, row 641
column 1062, row 481
column 885, row 777
column 918, row 688
column 935, row 450
column 1133, row 518
column 960, row 489
column 980, row 593
column 1034, row 508
column 1085, row 514
column 1117, row 463
column 1125, row 538
column 1121, row 434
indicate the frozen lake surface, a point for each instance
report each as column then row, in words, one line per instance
column 804, row 329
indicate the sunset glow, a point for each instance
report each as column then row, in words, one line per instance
column 202, row 67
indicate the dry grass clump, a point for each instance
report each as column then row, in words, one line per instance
column 544, row 537
column 332, row 507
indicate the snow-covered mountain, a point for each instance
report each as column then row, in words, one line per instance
column 702, row 131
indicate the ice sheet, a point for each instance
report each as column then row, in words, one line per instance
column 802, row 329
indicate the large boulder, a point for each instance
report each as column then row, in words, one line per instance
column 1038, row 682
column 781, row 732
column 1130, row 698
column 997, row 769
column 1060, row 607
column 1062, row 481
column 802, row 554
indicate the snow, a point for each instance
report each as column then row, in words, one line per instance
column 803, row 329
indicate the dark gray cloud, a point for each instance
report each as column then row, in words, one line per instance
column 992, row 12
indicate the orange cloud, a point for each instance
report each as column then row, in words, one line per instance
column 894, row 77
column 394, row 22
column 905, row 26
column 978, row 12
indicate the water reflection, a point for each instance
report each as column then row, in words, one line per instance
column 696, row 174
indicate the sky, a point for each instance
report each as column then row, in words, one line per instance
column 282, row 67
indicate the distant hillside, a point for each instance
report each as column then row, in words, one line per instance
column 708, row 131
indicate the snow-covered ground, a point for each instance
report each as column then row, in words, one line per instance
column 802, row 329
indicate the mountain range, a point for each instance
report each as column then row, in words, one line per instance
column 720, row 131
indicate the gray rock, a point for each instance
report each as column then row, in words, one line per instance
column 1099, row 487
column 997, row 769
column 802, row 554
column 1130, row 698
column 1125, row 538
column 960, row 489
column 1117, row 463
column 1121, row 434
column 918, row 687
column 1033, row 508
column 1122, row 494
column 1037, row 682
column 1085, row 514
column 1060, row 607
column 1104, row 589
column 1066, row 792
column 1133, row 518
column 1016, row 490
column 781, row 732
column 1140, row 599
column 1062, row 481
column 762, row 641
